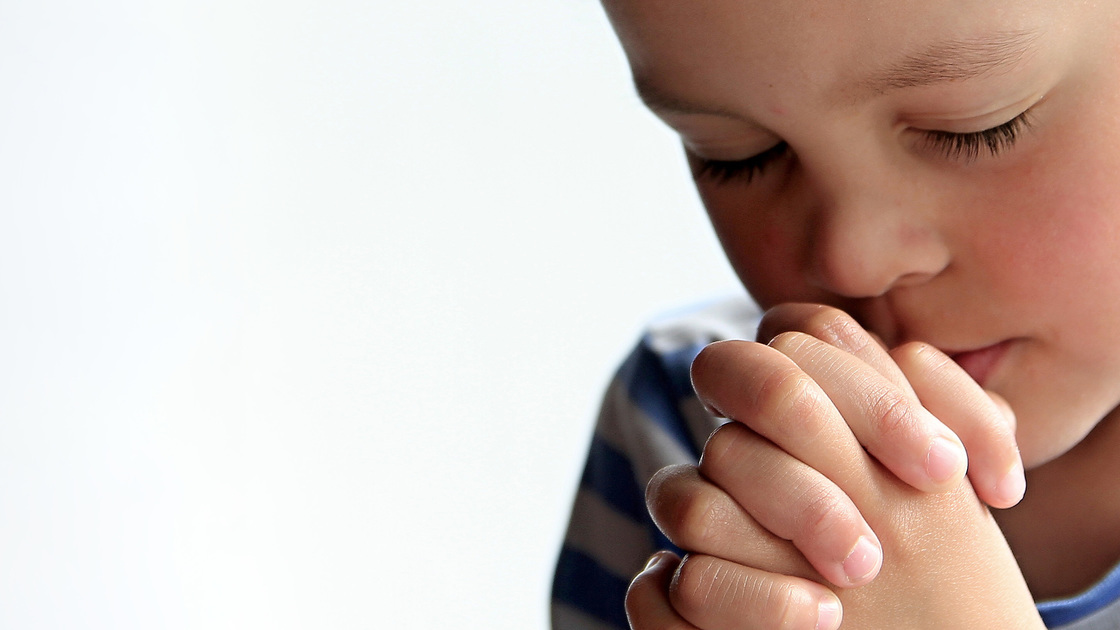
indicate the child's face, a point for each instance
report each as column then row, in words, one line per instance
column 838, row 149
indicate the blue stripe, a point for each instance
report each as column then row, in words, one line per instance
column 1063, row 611
column 678, row 368
column 585, row 585
column 609, row 474
column 661, row 542
column 657, row 385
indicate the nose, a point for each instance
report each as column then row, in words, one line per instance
column 866, row 242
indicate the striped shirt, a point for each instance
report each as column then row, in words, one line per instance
column 651, row 418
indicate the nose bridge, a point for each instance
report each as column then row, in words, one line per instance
column 871, row 233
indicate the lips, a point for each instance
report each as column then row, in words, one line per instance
column 980, row 363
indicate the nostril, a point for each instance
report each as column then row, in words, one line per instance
column 913, row 279
column 856, row 258
column 846, row 273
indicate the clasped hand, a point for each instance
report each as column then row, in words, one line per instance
column 838, row 491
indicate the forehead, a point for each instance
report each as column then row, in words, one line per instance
column 826, row 47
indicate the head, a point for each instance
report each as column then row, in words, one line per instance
column 947, row 171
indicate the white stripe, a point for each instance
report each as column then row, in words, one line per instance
column 627, row 428
column 617, row 543
column 732, row 318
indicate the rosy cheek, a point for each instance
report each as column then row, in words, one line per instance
column 1052, row 242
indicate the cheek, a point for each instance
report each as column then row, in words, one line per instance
column 764, row 249
column 1049, row 264
column 1053, row 231
column 1038, row 253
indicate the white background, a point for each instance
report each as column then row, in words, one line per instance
column 306, row 307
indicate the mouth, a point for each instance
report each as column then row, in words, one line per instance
column 981, row 362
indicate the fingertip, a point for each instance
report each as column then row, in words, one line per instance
column 862, row 563
column 647, row 600
column 829, row 613
column 1009, row 490
column 946, row 462
column 660, row 561
column 653, row 579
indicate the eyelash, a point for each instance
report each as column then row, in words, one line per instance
column 724, row 171
column 965, row 147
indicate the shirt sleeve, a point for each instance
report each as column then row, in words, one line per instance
column 649, row 419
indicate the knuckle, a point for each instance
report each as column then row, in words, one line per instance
column 812, row 318
column 890, row 411
column 706, row 589
column 793, row 401
column 693, row 517
column 784, row 388
column 795, row 608
column 837, row 328
column 784, row 607
column 702, row 587
column 703, row 520
column 821, row 511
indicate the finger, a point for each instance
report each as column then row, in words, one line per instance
column 795, row 502
column 764, row 389
column 1004, row 409
column 823, row 406
column 986, row 427
column 647, row 599
column 715, row 594
column 890, row 423
column 699, row 516
column 835, row 327
column 937, row 457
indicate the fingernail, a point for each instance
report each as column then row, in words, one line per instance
column 944, row 460
column 712, row 411
column 1012, row 486
column 828, row 614
column 654, row 559
column 862, row 561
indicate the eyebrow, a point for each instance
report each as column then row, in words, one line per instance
column 943, row 62
column 955, row 60
column 660, row 100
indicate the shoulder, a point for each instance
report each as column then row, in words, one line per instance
column 652, row 396
column 671, row 341
column 1098, row 608
column 695, row 326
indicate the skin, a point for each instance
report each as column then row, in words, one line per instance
column 883, row 254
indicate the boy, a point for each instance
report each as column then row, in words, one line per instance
column 923, row 197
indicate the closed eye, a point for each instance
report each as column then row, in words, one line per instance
column 967, row 147
column 723, row 171
column 964, row 147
